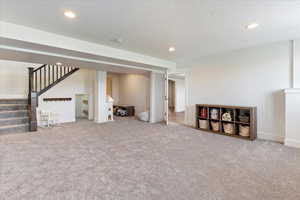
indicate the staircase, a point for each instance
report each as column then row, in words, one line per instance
column 13, row 116
column 19, row 115
column 41, row 80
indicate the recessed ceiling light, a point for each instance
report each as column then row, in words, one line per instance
column 58, row 63
column 70, row 14
column 171, row 49
column 252, row 26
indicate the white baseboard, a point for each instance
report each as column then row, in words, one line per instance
column 270, row 136
column 292, row 143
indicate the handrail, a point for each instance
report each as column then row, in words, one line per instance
column 37, row 69
column 41, row 80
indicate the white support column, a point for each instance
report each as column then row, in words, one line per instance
column 100, row 97
column 166, row 107
column 152, row 97
column 157, row 97
column 292, row 110
column 292, row 103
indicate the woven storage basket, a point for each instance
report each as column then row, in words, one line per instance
column 203, row 124
column 228, row 128
column 244, row 131
column 215, row 126
column 244, row 118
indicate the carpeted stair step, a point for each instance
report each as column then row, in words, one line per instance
column 21, row 128
column 14, row 101
column 13, row 114
column 7, row 107
column 13, row 121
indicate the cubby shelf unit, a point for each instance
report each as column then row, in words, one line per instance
column 235, row 112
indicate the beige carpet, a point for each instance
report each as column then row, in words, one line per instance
column 132, row 160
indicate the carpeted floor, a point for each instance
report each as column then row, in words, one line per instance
column 132, row 160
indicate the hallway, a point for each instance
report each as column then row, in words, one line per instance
column 176, row 117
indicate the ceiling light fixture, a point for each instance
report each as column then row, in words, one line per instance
column 252, row 26
column 70, row 14
column 172, row 49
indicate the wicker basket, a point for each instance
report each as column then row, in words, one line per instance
column 244, row 118
column 215, row 126
column 228, row 128
column 244, row 131
column 203, row 124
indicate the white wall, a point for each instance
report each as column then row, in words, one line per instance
column 14, row 79
column 179, row 95
column 297, row 63
column 81, row 82
column 292, row 110
column 157, row 100
column 115, row 86
column 134, row 89
column 248, row 77
column 131, row 89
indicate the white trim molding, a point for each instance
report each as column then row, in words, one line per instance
column 292, row 143
column 270, row 137
column 292, row 90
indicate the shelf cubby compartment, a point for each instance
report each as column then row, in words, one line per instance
column 214, row 113
column 214, row 125
column 244, row 127
column 227, row 111
column 203, row 112
column 203, row 124
column 243, row 116
column 229, row 128
column 243, row 130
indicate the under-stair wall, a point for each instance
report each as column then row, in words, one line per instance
column 14, row 84
column 80, row 82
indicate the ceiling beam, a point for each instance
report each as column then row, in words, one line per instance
column 33, row 36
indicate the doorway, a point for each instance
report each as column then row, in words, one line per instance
column 176, row 103
column 171, row 95
column 82, row 106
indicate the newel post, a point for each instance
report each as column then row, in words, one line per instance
column 32, row 102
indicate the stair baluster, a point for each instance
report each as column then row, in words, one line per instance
column 40, row 82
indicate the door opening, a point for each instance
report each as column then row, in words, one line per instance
column 82, row 106
column 176, row 103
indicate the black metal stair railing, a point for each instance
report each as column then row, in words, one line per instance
column 47, row 76
column 41, row 80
